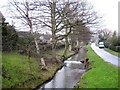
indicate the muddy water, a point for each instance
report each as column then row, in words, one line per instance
column 67, row 77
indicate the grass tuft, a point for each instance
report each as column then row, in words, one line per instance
column 112, row 52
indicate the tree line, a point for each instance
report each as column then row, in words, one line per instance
column 111, row 39
column 66, row 20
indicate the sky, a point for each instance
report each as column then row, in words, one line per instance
column 108, row 9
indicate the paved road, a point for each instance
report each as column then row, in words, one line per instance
column 106, row 56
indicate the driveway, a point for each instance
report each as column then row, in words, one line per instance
column 106, row 56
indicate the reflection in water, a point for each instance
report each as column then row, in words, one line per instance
column 82, row 53
column 67, row 77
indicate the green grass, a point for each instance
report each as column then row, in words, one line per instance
column 59, row 53
column 101, row 74
column 16, row 69
column 112, row 52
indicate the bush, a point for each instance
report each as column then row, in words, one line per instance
column 115, row 48
column 107, row 44
column 9, row 38
column 118, row 48
column 60, row 46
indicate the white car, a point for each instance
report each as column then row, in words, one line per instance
column 101, row 45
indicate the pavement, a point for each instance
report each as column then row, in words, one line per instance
column 106, row 56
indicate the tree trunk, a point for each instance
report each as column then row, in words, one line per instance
column 53, row 47
column 66, row 45
column 37, row 47
column 38, row 50
column 53, row 22
column 72, row 37
column 28, row 53
column 78, row 43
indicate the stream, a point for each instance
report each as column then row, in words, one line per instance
column 67, row 76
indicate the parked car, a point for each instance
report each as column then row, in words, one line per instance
column 101, row 45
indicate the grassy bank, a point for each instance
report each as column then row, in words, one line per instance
column 59, row 53
column 101, row 74
column 17, row 73
column 112, row 52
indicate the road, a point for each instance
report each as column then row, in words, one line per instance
column 105, row 55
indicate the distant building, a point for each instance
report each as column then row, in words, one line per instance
column 44, row 38
column 23, row 34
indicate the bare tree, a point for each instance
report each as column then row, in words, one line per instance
column 60, row 17
column 85, row 18
column 81, row 33
column 53, row 17
column 26, row 13
column 104, row 34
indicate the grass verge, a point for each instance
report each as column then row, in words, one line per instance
column 112, row 52
column 61, row 52
column 16, row 71
column 101, row 74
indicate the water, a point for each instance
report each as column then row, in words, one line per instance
column 67, row 77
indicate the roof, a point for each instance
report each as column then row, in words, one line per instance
column 38, row 35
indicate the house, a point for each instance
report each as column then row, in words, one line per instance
column 42, row 38
column 47, row 38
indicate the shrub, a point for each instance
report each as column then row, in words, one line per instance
column 115, row 48
column 118, row 48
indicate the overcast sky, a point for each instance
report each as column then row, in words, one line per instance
column 109, row 10
column 106, row 8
